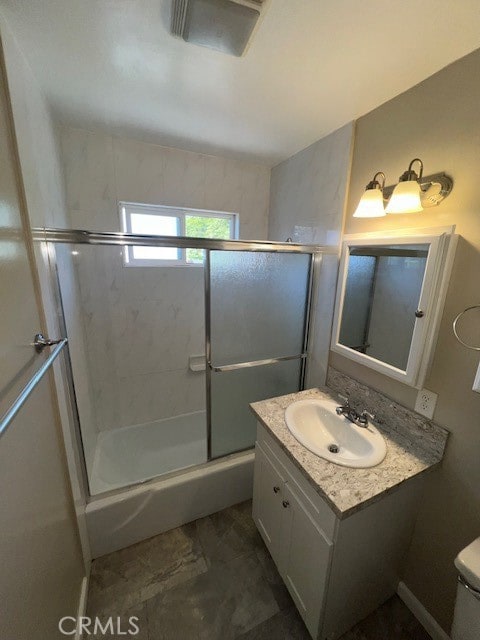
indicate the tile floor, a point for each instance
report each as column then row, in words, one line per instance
column 213, row 579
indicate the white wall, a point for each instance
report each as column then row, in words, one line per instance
column 307, row 198
column 43, row 184
column 160, row 308
column 40, row 556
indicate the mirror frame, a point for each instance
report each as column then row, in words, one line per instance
column 432, row 298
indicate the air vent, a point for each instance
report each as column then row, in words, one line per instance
column 223, row 25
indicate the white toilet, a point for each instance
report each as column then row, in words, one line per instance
column 466, row 621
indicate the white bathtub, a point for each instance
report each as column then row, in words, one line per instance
column 136, row 513
column 129, row 455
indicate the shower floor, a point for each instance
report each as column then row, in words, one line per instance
column 134, row 454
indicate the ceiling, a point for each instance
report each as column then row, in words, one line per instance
column 313, row 66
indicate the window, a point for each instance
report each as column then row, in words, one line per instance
column 155, row 220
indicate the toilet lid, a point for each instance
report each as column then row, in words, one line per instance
column 468, row 564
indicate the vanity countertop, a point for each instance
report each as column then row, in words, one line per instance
column 412, row 450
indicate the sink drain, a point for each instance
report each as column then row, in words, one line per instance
column 333, row 448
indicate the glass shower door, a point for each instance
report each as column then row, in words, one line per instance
column 258, row 309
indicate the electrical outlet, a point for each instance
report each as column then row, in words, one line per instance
column 426, row 402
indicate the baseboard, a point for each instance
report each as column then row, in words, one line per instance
column 423, row 616
column 82, row 605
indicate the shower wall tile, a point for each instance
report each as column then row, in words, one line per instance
column 139, row 284
column 254, row 199
column 308, row 191
column 307, row 199
column 223, row 184
column 158, row 335
column 89, row 177
column 139, row 171
column 142, row 324
column 143, row 398
column 94, row 272
column 184, row 179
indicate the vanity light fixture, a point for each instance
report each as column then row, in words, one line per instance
column 412, row 194
column 406, row 195
column 371, row 203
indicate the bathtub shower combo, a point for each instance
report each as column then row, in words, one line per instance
column 165, row 356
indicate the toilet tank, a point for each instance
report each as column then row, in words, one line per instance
column 466, row 621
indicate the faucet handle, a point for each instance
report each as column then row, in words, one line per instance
column 368, row 416
column 344, row 399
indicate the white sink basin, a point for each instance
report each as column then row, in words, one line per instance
column 315, row 424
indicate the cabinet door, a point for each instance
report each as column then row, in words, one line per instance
column 268, row 494
column 307, row 558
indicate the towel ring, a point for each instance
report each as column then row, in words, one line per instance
column 465, row 344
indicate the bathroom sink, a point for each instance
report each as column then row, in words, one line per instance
column 315, row 424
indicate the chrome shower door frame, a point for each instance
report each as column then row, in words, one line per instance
column 315, row 262
column 51, row 237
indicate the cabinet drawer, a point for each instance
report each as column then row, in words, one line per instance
column 312, row 502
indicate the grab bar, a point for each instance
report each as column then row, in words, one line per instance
column 27, row 390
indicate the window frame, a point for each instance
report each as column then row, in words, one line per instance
column 181, row 213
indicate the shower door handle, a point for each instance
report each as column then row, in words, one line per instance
column 254, row 363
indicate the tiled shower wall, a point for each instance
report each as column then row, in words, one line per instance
column 146, row 377
column 307, row 199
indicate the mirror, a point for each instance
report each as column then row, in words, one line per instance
column 382, row 294
column 389, row 302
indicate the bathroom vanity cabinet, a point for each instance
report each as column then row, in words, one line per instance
column 337, row 568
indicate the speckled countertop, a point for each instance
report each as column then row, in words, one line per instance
column 414, row 447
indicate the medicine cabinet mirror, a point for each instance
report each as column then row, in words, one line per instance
column 389, row 301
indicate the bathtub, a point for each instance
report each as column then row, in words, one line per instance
column 157, row 478
column 133, row 454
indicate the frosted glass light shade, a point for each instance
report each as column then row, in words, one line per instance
column 405, row 198
column 370, row 205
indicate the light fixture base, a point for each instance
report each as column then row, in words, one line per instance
column 433, row 189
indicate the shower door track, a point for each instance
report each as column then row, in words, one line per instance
column 81, row 236
column 53, row 236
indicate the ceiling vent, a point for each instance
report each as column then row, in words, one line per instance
column 224, row 25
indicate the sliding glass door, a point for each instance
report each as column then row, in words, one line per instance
column 258, row 305
column 149, row 400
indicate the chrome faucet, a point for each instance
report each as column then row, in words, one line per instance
column 360, row 419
